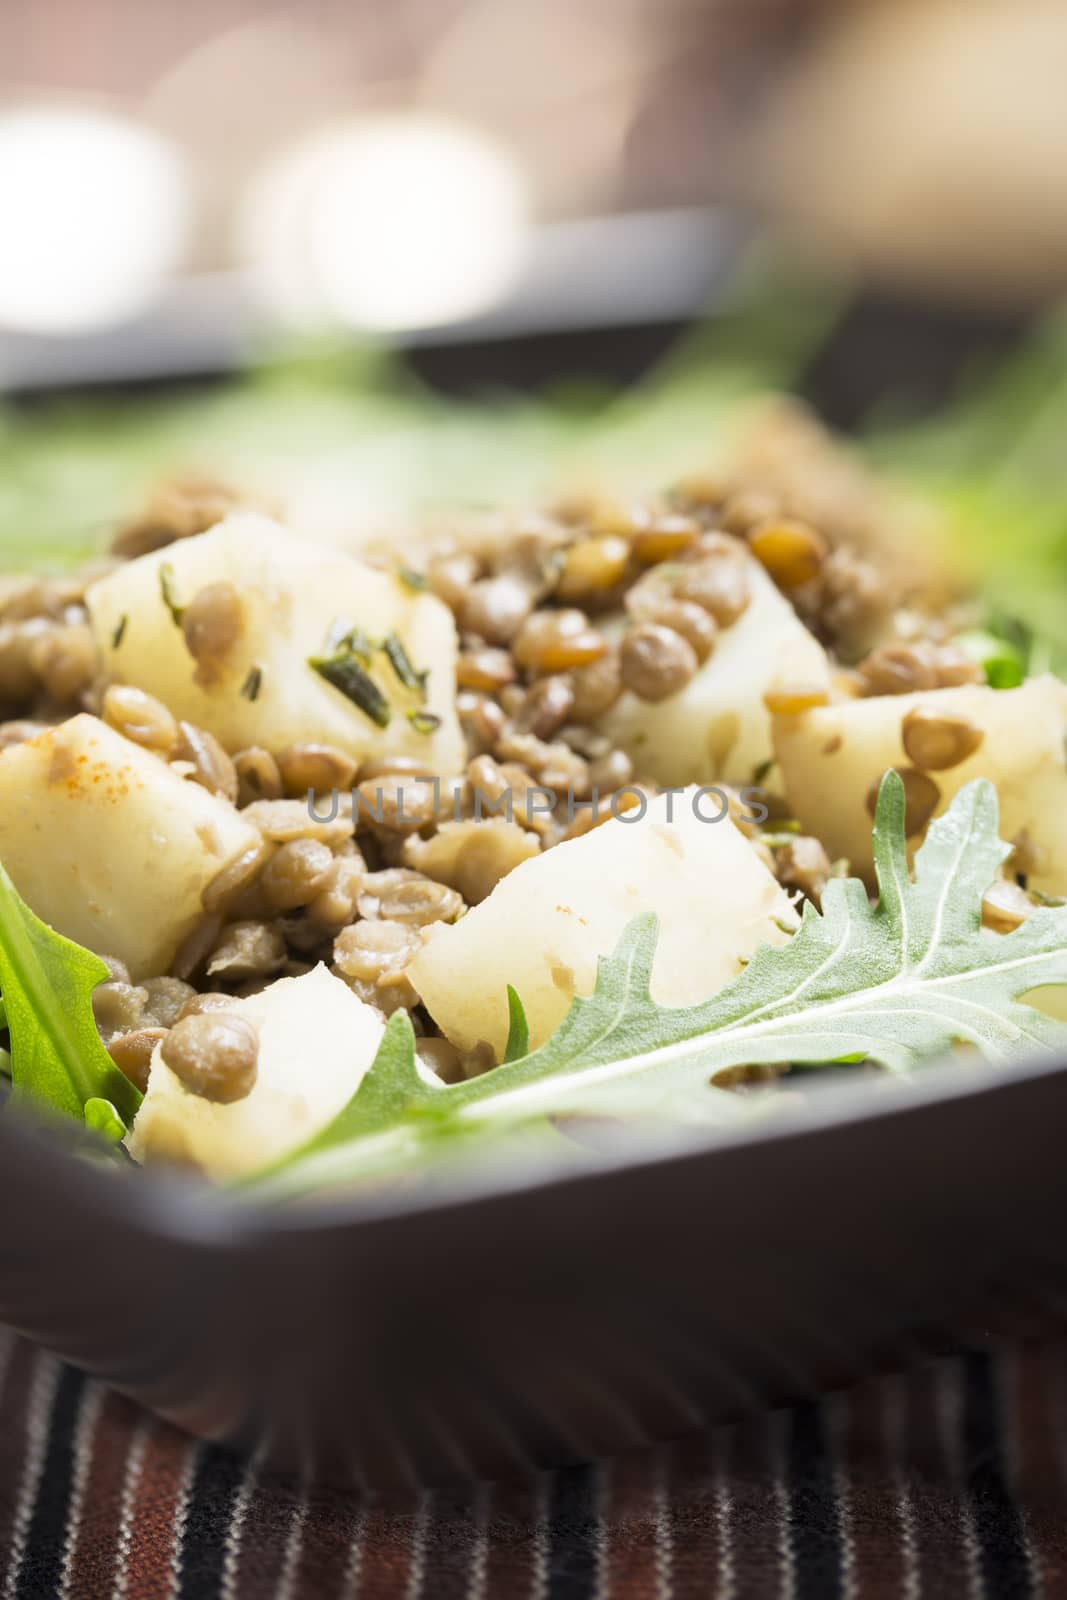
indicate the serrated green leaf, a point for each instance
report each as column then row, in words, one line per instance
column 895, row 983
column 47, row 982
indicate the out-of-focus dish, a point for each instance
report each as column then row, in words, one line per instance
column 552, row 815
column 341, row 861
column 537, row 1261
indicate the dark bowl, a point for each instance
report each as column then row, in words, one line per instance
column 497, row 1320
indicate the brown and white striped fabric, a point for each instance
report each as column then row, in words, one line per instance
column 948, row 1481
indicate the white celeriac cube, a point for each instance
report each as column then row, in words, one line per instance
column 717, row 728
column 544, row 925
column 316, row 1040
column 107, row 844
column 262, row 690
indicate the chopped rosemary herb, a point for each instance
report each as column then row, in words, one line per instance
column 400, row 661
column 120, row 631
column 344, row 672
column 253, row 684
column 424, row 721
column 416, row 581
column 343, row 635
column 166, row 589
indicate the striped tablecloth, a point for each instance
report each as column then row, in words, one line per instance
column 948, row 1481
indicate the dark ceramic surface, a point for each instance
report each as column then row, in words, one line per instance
column 510, row 1320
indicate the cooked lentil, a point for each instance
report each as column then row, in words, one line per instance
column 451, row 578
column 210, row 1000
column 297, row 873
column 899, row 669
column 281, row 820
column 803, row 864
column 141, row 717
column 921, row 799
column 396, row 803
column 212, row 623
column 375, row 952
column 697, row 626
column 656, row 662
column 937, row 740
column 667, row 537
column 610, row 772
column 247, row 950
column 719, row 583
column 209, row 764
column 746, row 508
column 335, row 904
column 557, row 641
column 214, row 1054
column 494, row 609
column 65, row 660
column 791, row 552
column 119, row 1007
column 1005, row 906
column 401, row 894
column 593, row 568
column 483, row 721
column 314, row 768
column 545, row 708
column 195, row 948
column 472, row 857
column 442, row 1058
column 167, row 999
column 486, row 668
column 258, row 777
column 132, row 1053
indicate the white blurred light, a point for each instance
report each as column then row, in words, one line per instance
column 386, row 223
column 93, row 214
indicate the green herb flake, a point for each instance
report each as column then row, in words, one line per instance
column 895, row 984
column 167, row 589
column 253, row 684
column 119, row 632
column 346, row 638
column 401, row 664
column 344, row 673
column 424, row 721
column 417, row 582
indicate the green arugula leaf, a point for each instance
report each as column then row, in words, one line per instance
column 895, row 983
column 518, row 1042
column 102, row 1118
column 999, row 658
column 57, row 1056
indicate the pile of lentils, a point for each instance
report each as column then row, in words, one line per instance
column 557, row 617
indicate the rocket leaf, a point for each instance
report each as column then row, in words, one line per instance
column 57, row 1057
column 897, row 982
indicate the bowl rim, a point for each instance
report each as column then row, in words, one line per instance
column 185, row 1209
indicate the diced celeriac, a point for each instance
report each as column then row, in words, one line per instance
column 545, row 924
column 830, row 756
column 717, row 727
column 263, row 692
column 109, row 845
column 316, row 1041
